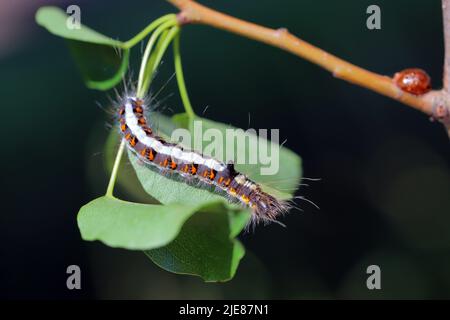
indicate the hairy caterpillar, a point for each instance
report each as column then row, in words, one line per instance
column 166, row 156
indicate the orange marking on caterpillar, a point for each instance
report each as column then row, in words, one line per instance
column 138, row 109
column 142, row 121
column 133, row 141
column 151, row 156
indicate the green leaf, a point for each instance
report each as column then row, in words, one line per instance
column 54, row 20
column 203, row 246
column 130, row 225
column 102, row 60
column 102, row 67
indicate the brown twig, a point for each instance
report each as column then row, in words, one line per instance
column 446, row 20
column 435, row 104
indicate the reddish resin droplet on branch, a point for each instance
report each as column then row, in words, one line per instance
column 415, row 81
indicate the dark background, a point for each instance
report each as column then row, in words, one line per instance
column 384, row 193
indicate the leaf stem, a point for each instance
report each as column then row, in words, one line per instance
column 148, row 49
column 151, row 60
column 146, row 71
column 155, row 60
column 180, row 78
column 112, row 179
column 141, row 35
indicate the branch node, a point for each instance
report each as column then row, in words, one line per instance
column 280, row 32
column 441, row 113
column 183, row 18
